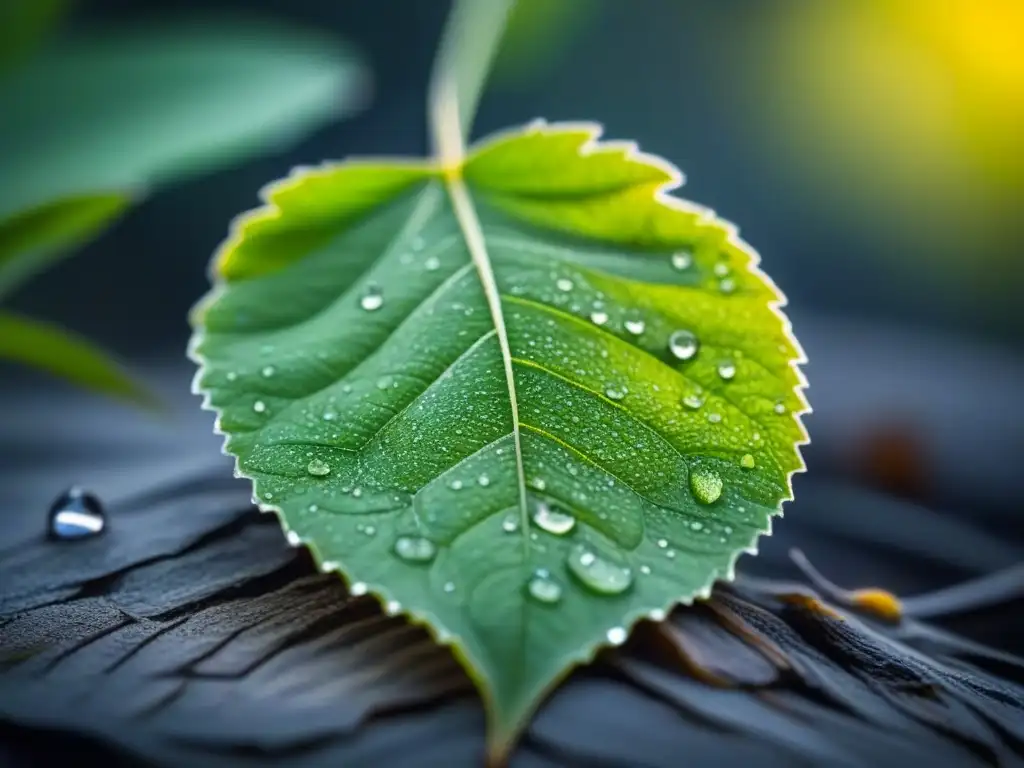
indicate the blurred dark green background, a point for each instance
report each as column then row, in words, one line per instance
column 870, row 150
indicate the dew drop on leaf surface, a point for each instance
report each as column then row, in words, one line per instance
column 682, row 260
column 318, row 468
column 683, row 345
column 597, row 573
column 553, row 520
column 415, row 549
column 542, row 588
column 706, row 485
column 372, row 298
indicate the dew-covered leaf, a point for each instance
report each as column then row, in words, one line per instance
column 62, row 353
column 527, row 401
column 129, row 107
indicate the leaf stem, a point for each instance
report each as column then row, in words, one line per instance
column 464, row 58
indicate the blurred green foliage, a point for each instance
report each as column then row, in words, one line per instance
column 91, row 123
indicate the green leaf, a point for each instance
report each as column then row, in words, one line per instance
column 24, row 24
column 528, row 400
column 141, row 105
column 30, row 241
column 65, row 354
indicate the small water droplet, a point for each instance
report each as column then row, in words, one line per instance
column 553, row 520
column 318, row 468
column 645, row 570
column 615, row 393
column 455, row 485
column 357, row 492
column 268, row 495
column 747, row 462
column 415, row 549
column 563, row 284
column 76, row 514
column 682, row 260
column 727, row 285
column 259, row 406
column 543, row 588
column 432, row 264
column 714, row 418
column 597, row 573
column 635, row 325
column 449, row 587
column 392, row 607
column 313, row 508
column 385, row 382
column 617, row 635
column 683, row 345
column 662, row 543
column 696, row 525
column 293, row 538
column 358, row 588
column 372, row 299
column 510, row 524
column 721, row 269
column 727, row 370
column 706, row 485
column 370, row 530
column 780, row 408
column 693, row 401
column 538, row 483
column 231, row 376
column 330, row 415
column 483, row 481
column 268, row 371
column 598, row 318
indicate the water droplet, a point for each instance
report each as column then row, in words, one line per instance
column 455, row 485
column 696, row 525
column 392, row 607
column 721, row 269
column 330, row 415
column 617, row 635
column 510, row 524
column 268, row 495
column 543, row 588
column 370, row 530
column 415, row 549
column 682, row 260
column 706, row 485
column 293, row 538
column 615, row 393
column 597, row 573
column 385, row 382
column 553, row 520
column 372, row 299
column 645, row 570
column 313, row 508
column 683, row 345
column 449, row 587
column 563, row 284
column 780, row 408
column 747, row 462
column 714, row 418
column 483, row 481
column 538, row 483
column 432, row 264
column 231, row 376
column 259, row 406
column 318, row 468
column 635, row 325
column 357, row 491
column 268, row 371
column 727, row 370
column 598, row 318
column 727, row 285
column 693, row 402
column 358, row 588
column 76, row 514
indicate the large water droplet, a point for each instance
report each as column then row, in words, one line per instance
column 372, row 299
column 615, row 393
column 318, row 468
column 415, row 549
column 727, row 370
column 553, row 520
column 747, row 462
column 682, row 260
column 598, row 318
column 683, row 345
column 76, row 514
column 543, row 588
column 706, row 485
column 597, row 573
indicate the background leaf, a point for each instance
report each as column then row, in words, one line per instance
column 32, row 240
column 24, row 24
column 65, row 354
column 528, row 480
column 124, row 108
